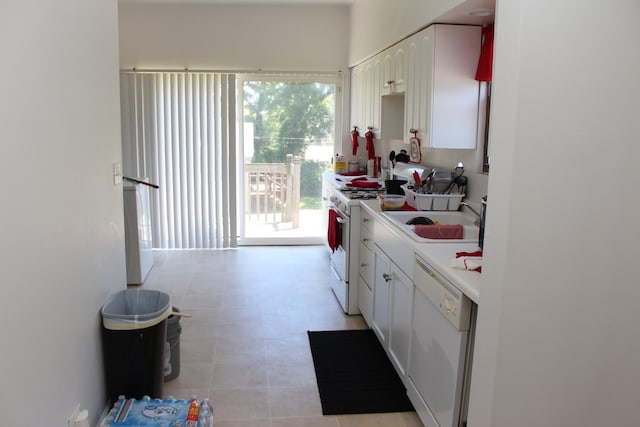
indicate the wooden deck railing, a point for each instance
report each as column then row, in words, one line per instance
column 272, row 193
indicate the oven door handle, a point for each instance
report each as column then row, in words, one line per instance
column 341, row 220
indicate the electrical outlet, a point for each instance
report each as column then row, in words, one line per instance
column 74, row 415
column 117, row 173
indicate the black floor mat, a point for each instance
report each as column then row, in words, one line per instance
column 355, row 375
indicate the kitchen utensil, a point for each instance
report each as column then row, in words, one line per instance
column 416, row 179
column 458, row 170
column 392, row 158
column 461, row 182
column 440, row 181
column 420, row 220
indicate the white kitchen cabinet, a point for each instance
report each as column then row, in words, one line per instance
column 366, row 87
column 381, row 296
column 357, row 96
column 400, row 319
column 392, row 308
column 394, row 69
column 442, row 95
column 367, row 268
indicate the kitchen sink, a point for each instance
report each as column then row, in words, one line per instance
column 400, row 218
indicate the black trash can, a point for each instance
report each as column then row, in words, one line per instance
column 134, row 332
column 172, row 347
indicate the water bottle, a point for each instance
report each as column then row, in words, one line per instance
column 206, row 414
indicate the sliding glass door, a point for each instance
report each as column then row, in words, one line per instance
column 287, row 136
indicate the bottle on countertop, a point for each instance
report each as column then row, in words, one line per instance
column 206, row 414
column 340, row 164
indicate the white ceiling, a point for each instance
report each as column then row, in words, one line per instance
column 458, row 15
column 242, row 1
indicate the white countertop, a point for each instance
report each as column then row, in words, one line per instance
column 440, row 255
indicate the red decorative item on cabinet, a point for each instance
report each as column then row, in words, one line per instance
column 415, row 151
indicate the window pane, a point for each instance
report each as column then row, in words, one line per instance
column 280, row 119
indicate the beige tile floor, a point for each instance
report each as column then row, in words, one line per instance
column 246, row 345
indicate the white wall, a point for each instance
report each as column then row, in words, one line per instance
column 276, row 37
column 61, row 223
column 557, row 331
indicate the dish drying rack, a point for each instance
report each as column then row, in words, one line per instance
column 431, row 202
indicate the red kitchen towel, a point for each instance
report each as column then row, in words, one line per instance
column 363, row 184
column 354, row 140
column 371, row 149
column 440, row 231
column 471, row 261
column 333, row 232
column 475, row 254
column 484, row 72
column 356, row 173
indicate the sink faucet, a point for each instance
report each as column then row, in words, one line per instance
column 477, row 221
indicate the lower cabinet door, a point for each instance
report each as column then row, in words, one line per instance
column 400, row 320
column 381, row 294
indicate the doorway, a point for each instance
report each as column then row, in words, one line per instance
column 287, row 137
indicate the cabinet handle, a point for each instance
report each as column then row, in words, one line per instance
column 425, row 268
column 365, row 219
column 365, row 239
column 386, row 277
column 363, row 265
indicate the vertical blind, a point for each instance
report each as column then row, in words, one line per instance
column 178, row 130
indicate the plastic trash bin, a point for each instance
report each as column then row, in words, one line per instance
column 172, row 347
column 134, row 332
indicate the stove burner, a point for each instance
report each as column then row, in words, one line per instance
column 363, row 195
column 370, row 193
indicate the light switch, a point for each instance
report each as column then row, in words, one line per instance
column 117, row 173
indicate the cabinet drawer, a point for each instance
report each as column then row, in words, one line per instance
column 365, row 300
column 366, row 236
column 367, row 269
column 366, row 223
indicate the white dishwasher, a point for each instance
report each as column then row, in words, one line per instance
column 441, row 347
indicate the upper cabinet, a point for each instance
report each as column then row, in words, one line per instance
column 365, row 95
column 384, row 74
column 394, row 69
column 441, row 99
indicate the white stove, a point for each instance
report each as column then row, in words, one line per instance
column 345, row 202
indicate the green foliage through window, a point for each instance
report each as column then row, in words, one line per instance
column 287, row 117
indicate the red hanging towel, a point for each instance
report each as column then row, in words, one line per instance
column 371, row 150
column 333, row 232
column 485, row 63
column 354, row 140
